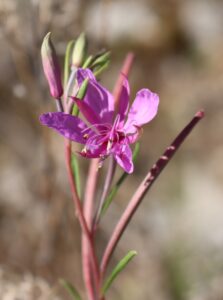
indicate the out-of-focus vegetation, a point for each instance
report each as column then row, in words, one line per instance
column 178, row 231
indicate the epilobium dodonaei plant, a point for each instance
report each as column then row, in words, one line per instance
column 106, row 128
column 107, row 133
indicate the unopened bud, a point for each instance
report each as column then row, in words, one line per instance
column 79, row 52
column 51, row 67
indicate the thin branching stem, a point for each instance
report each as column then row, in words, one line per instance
column 90, row 189
column 88, row 211
column 124, row 71
column 106, row 187
column 80, row 215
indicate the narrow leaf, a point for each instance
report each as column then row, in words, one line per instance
column 71, row 289
column 76, row 172
column 119, row 267
column 67, row 61
column 116, row 187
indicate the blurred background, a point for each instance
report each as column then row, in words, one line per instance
column 178, row 230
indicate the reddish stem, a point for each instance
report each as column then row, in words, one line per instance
column 124, row 71
column 88, row 210
column 80, row 215
column 107, row 184
column 90, row 189
column 143, row 189
column 86, row 267
column 89, row 260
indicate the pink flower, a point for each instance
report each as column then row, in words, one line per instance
column 105, row 132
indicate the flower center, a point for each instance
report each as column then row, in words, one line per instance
column 102, row 139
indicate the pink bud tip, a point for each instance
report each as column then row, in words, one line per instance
column 200, row 114
column 51, row 67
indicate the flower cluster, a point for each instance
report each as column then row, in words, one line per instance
column 106, row 130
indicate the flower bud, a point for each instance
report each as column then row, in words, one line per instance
column 79, row 52
column 51, row 67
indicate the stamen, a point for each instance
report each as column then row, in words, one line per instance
column 115, row 124
column 96, row 139
column 94, row 126
column 84, row 151
column 111, row 135
column 102, row 159
column 117, row 136
column 109, row 145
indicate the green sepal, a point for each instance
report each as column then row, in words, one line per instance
column 70, row 289
column 116, row 187
column 88, row 62
column 118, row 268
column 99, row 70
column 101, row 59
column 83, row 89
column 80, row 95
column 97, row 63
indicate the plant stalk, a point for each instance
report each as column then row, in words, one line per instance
column 80, row 215
column 88, row 210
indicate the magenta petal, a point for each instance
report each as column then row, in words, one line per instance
column 134, row 136
column 69, row 126
column 85, row 73
column 143, row 110
column 123, row 103
column 87, row 112
column 124, row 158
column 97, row 97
